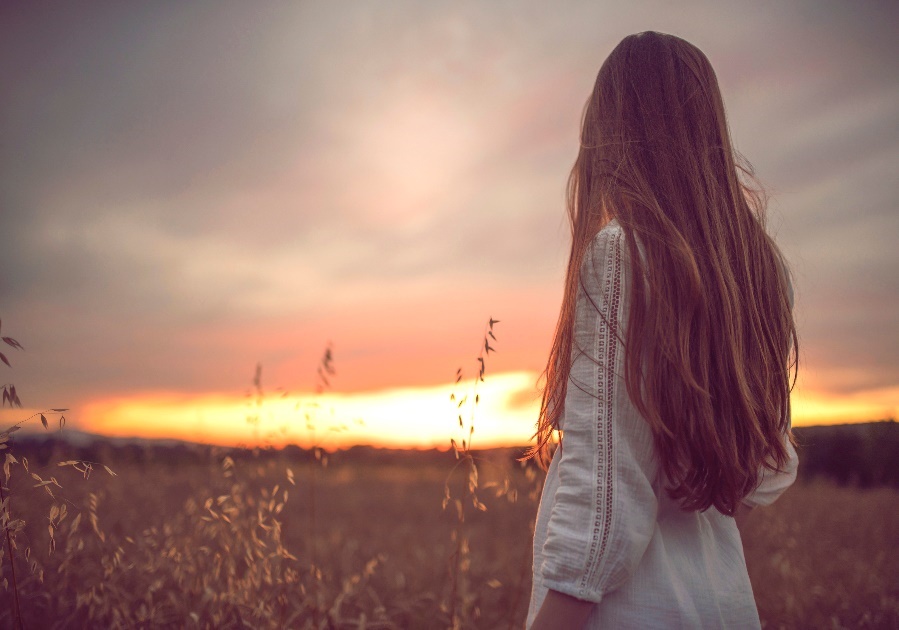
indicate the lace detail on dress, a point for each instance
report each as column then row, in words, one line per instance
column 606, row 351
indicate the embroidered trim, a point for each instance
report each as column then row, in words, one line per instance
column 606, row 349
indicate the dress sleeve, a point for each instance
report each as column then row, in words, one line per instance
column 774, row 483
column 604, row 511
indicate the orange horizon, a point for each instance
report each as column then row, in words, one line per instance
column 414, row 417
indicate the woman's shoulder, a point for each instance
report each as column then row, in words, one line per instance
column 608, row 243
column 610, row 233
column 606, row 255
column 612, row 227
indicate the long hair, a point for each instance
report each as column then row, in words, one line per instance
column 710, row 343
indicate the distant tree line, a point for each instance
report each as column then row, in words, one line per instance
column 864, row 455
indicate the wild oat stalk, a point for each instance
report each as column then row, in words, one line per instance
column 10, row 526
column 324, row 372
column 57, row 513
column 258, row 399
column 460, row 600
column 314, row 588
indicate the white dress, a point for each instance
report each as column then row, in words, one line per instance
column 606, row 530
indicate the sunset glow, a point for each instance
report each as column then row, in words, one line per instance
column 812, row 408
column 400, row 418
column 414, row 417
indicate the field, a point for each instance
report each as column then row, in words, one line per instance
column 277, row 539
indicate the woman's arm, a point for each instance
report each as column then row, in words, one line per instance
column 603, row 511
column 562, row 611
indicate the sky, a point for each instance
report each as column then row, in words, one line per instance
column 189, row 190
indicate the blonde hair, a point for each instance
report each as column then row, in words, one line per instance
column 708, row 357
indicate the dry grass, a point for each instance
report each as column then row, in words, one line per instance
column 823, row 556
column 213, row 546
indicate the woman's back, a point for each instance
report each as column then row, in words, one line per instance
column 607, row 531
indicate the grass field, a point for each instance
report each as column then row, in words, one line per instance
column 217, row 543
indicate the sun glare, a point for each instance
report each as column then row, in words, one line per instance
column 412, row 417
column 420, row 417
column 811, row 407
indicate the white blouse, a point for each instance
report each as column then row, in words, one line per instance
column 606, row 530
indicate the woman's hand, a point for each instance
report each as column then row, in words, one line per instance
column 562, row 611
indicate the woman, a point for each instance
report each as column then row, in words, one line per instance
column 670, row 373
